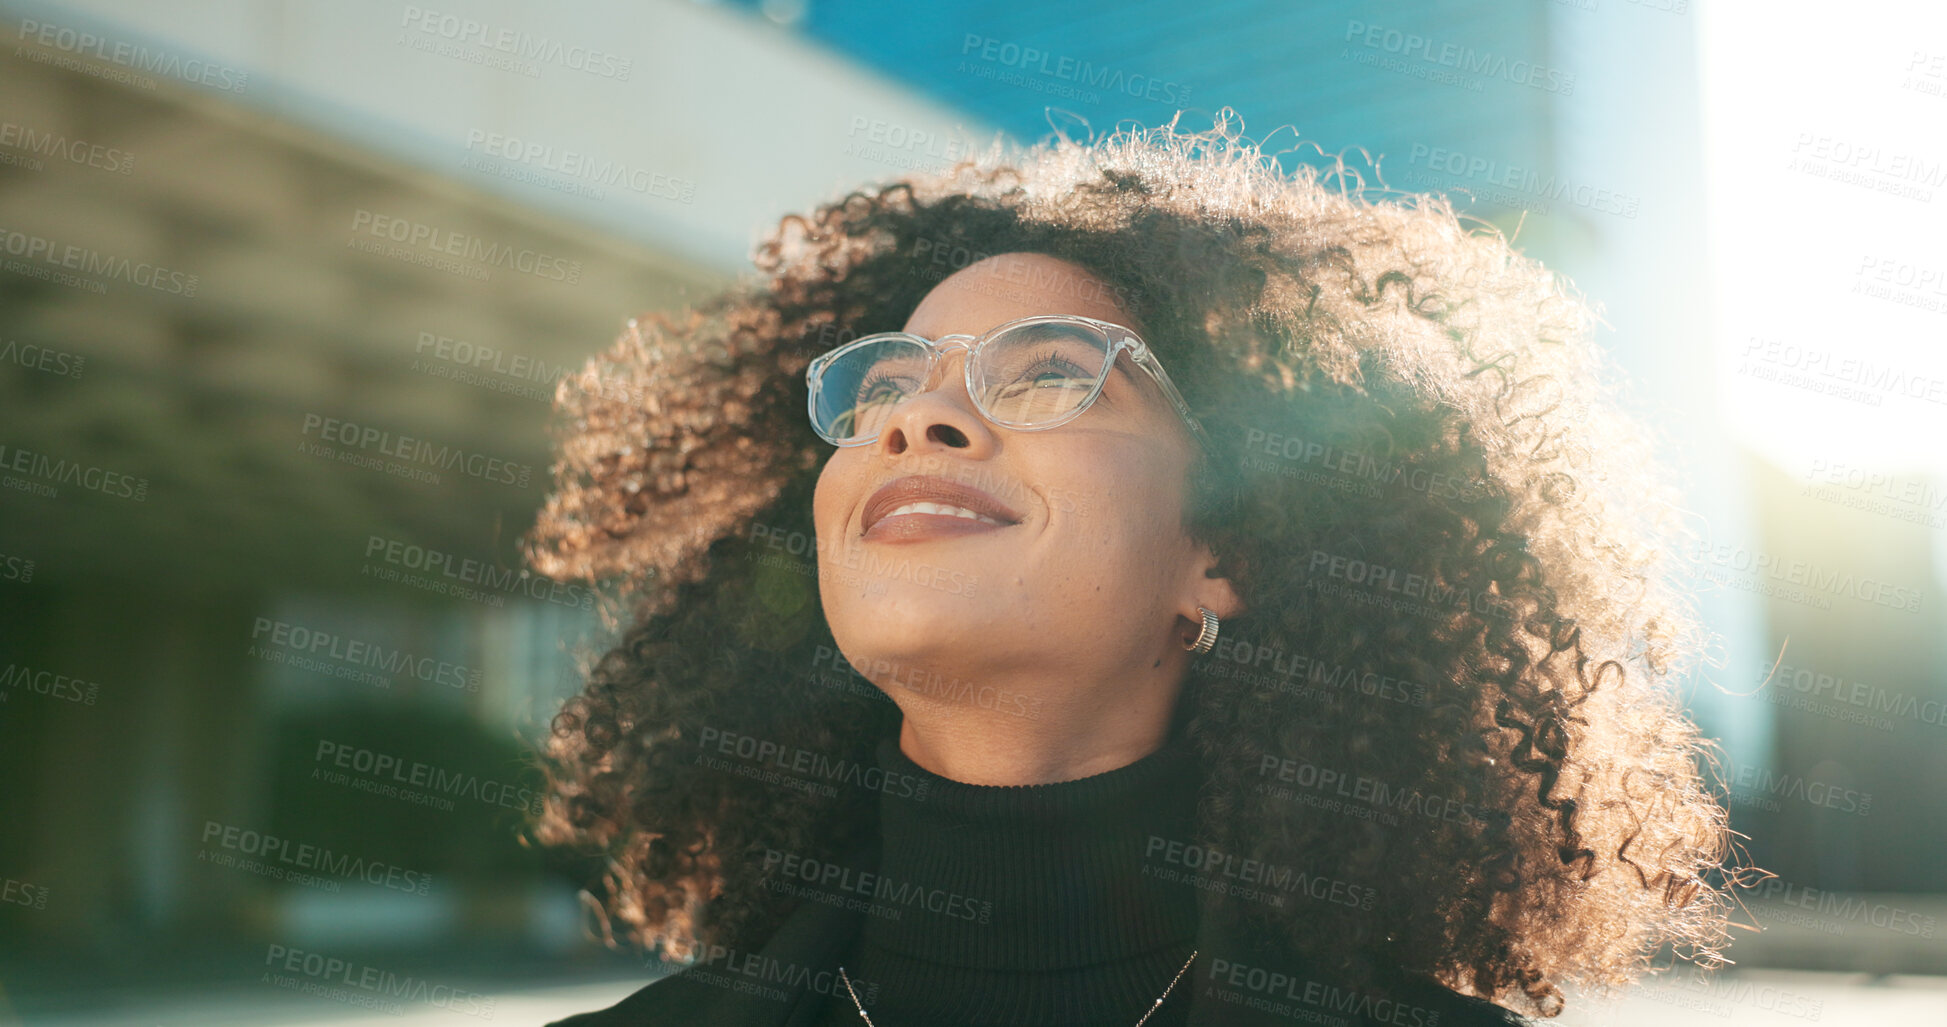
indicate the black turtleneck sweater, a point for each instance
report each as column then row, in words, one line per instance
column 1050, row 919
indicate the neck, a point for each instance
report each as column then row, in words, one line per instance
column 1017, row 741
column 1060, row 909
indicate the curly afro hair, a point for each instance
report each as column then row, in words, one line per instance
column 1454, row 548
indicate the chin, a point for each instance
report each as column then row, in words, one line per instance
column 899, row 620
column 903, row 580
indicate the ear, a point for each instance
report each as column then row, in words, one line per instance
column 1209, row 588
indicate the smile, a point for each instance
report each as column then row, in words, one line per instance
column 942, row 508
column 927, row 506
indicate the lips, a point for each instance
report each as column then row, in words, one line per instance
column 941, row 494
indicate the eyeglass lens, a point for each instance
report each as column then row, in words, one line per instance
column 1026, row 376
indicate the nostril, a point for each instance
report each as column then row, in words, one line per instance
column 948, row 434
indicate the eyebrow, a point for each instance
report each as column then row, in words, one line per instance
column 1131, row 378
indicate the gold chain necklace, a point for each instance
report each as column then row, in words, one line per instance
column 1139, row 1023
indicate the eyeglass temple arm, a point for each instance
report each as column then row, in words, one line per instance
column 1139, row 352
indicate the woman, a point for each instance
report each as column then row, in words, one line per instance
column 1272, row 617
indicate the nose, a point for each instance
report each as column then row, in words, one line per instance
column 949, row 348
column 942, row 417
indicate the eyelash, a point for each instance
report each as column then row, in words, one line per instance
column 1053, row 356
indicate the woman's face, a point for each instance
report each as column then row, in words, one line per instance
column 1090, row 579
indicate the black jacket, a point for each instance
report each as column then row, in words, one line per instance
column 1234, row 983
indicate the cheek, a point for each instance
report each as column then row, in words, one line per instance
column 827, row 513
column 1132, row 528
column 1137, row 499
column 1118, row 538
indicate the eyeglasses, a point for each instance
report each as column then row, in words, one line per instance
column 1031, row 374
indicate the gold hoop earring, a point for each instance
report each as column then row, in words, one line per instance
column 1207, row 637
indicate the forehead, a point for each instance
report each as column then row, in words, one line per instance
column 1007, row 286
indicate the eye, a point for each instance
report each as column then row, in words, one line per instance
column 1050, row 369
column 879, row 387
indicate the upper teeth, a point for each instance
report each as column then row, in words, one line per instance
column 941, row 508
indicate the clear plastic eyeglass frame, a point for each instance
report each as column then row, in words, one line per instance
column 1119, row 337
